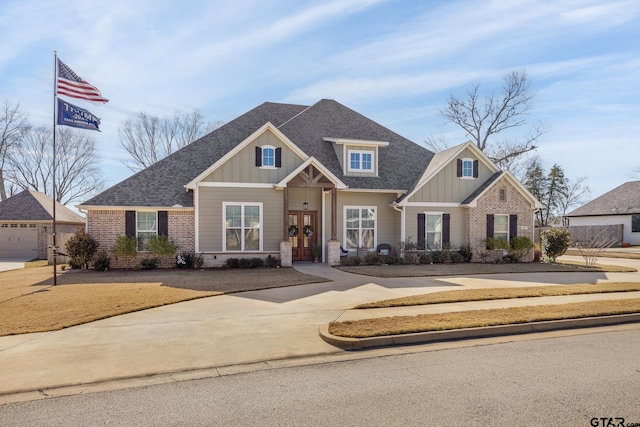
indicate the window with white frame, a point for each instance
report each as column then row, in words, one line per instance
column 501, row 227
column 433, row 231
column 242, row 226
column 360, row 161
column 467, row 168
column 635, row 223
column 268, row 156
column 359, row 227
column 146, row 227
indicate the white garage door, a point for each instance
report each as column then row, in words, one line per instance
column 18, row 240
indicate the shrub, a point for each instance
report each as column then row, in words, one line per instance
column 555, row 242
column 537, row 253
column 102, row 262
column 161, row 245
column 272, row 262
column 350, row 261
column 425, row 259
column 456, row 257
column 521, row 243
column 496, row 243
column 233, row 263
column 244, row 263
column 149, row 263
column 465, row 252
column 124, row 246
column 198, row 260
column 439, row 257
column 256, row 263
column 372, row 258
column 81, row 248
column 185, row 259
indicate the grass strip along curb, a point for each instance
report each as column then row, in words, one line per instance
column 466, row 295
column 481, row 318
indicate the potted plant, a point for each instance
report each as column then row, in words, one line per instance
column 316, row 251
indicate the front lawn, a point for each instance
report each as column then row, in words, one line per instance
column 30, row 303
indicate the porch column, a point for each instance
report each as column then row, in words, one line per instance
column 285, row 245
column 334, row 211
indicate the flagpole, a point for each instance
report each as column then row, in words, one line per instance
column 55, row 93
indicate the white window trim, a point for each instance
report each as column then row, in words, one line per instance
column 426, row 231
column 463, row 175
column 224, row 225
column 375, row 226
column 264, row 147
column 508, row 225
column 145, row 231
column 361, row 152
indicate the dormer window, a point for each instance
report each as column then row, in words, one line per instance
column 467, row 168
column 268, row 156
column 360, row 161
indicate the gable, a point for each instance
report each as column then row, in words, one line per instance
column 444, row 186
column 241, row 167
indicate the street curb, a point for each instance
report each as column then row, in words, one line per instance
column 469, row 333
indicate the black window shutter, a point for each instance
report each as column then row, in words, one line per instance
column 278, row 157
column 130, row 223
column 258, row 156
column 475, row 168
column 490, row 225
column 513, row 226
column 446, row 226
column 421, row 230
column 459, row 168
column 163, row 223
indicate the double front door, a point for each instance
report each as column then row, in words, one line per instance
column 303, row 227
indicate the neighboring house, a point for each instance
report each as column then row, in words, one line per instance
column 253, row 187
column 26, row 220
column 620, row 206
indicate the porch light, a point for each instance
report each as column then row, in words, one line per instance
column 305, row 206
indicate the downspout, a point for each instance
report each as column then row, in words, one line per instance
column 402, row 220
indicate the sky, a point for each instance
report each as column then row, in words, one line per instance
column 395, row 61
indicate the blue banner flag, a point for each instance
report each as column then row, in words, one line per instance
column 70, row 115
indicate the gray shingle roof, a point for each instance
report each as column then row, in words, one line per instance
column 622, row 200
column 162, row 184
column 35, row 206
column 483, row 187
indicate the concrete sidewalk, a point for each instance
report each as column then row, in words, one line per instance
column 218, row 335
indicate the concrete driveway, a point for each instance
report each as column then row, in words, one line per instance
column 7, row 264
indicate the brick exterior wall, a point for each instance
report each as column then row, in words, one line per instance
column 106, row 226
column 490, row 203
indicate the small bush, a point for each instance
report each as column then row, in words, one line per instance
column 455, row 257
column 350, row 261
column 244, row 263
column 185, row 260
column 256, row 263
column 149, row 263
column 439, row 257
column 425, row 259
column 372, row 258
column 124, row 246
column 102, row 262
column 555, row 242
column 465, row 252
column 81, row 248
column 272, row 262
column 496, row 243
column 521, row 243
column 537, row 253
column 74, row 264
column 233, row 263
column 198, row 260
column 162, row 245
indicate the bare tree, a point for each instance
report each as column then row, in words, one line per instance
column 482, row 118
column 149, row 138
column 77, row 171
column 574, row 194
column 14, row 124
column 591, row 249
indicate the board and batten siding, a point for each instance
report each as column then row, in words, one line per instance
column 387, row 218
column 446, row 187
column 210, row 221
column 242, row 167
column 457, row 225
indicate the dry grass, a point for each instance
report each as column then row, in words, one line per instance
column 480, row 318
column 467, row 269
column 502, row 293
column 30, row 303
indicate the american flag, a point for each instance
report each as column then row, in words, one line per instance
column 70, row 84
